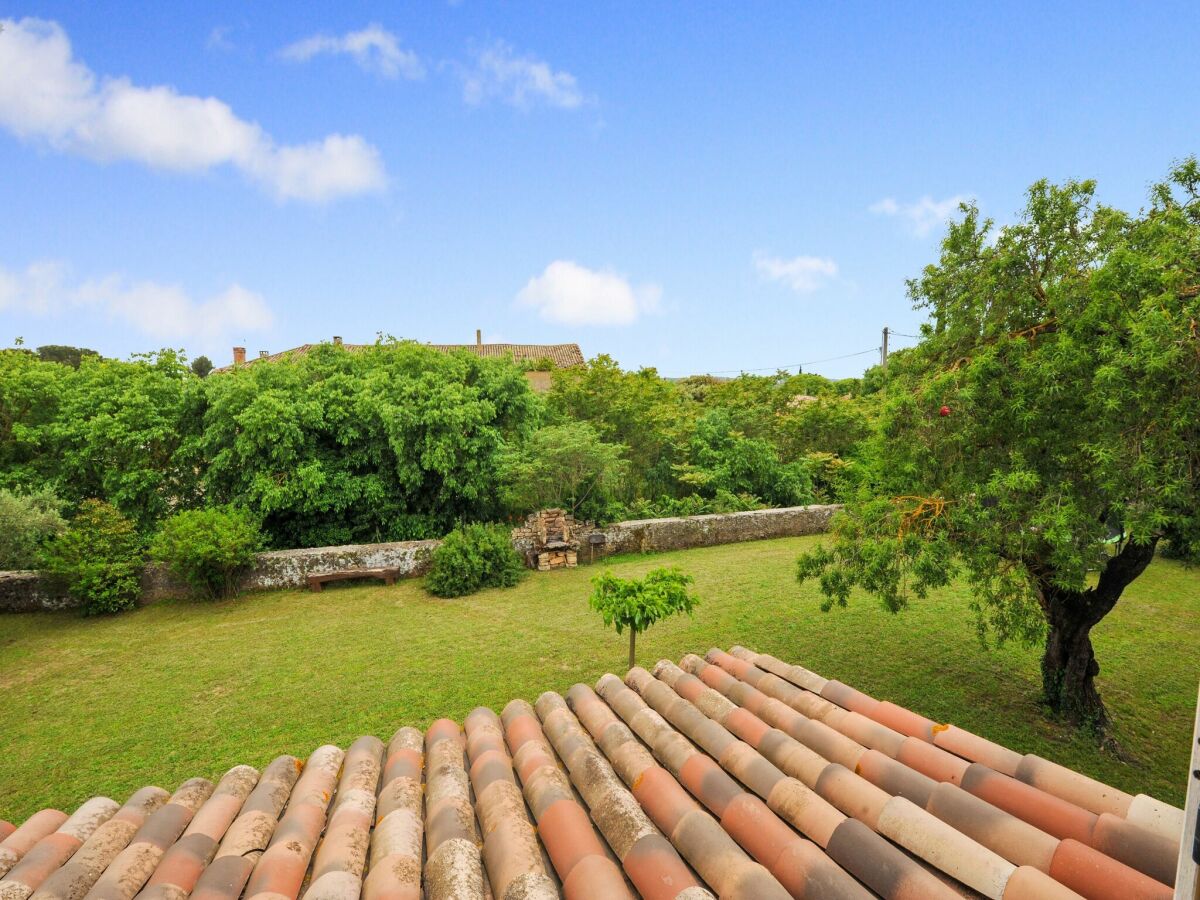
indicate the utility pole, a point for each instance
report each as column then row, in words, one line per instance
column 883, row 350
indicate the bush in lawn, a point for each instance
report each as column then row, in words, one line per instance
column 637, row 604
column 473, row 557
column 208, row 548
column 27, row 522
column 98, row 559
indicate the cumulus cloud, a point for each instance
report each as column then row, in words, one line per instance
column 521, row 81
column 803, row 274
column 162, row 311
column 48, row 95
column 572, row 294
column 921, row 216
column 374, row 49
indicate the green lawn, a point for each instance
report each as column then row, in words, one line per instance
column 181, row 689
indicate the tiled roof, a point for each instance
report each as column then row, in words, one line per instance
column 732, row 776
column 564, row 356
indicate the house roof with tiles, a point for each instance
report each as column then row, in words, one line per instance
column 560, row 356
column 735, row 775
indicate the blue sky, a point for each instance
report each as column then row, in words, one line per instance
column 697, row 187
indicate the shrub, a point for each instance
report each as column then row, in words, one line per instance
column 473, row 557
column 637, row 604
column 27, row 522
column 98, row 559
column 208, row 548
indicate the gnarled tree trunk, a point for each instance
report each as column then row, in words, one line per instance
column 1069, row 666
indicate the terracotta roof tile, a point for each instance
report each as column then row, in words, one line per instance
column 735, row 776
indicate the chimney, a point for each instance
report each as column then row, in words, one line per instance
column 239, row 355
column 263, row 354
column 337, row 340
column 478, row 337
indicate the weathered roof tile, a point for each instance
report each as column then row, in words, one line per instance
column 738, row 773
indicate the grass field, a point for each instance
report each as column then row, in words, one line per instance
column 175, row 690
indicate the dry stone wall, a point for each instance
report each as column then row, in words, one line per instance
column 290, row 568
column 24, row 591
column 657, row 535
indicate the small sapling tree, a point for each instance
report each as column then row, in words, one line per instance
column 637, row 604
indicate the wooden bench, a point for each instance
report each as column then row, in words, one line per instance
column 317, row 582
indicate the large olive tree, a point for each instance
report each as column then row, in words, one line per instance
column 1045, row 435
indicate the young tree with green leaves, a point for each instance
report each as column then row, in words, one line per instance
column 1045, row 435
column 637, row 604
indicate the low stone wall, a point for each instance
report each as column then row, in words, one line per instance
column 657, row 535
column 24, row 591
column 290, row 568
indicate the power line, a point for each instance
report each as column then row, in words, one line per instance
column 812, row 362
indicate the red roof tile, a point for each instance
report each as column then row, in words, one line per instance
column 736, row 776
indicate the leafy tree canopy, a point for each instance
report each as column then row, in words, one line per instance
column 565, row 466
column 1045, row 435
column 392, row 442
column 201, row 366
column 636, row 604
column 60, row 353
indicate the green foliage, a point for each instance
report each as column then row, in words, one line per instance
column 471, row 558
column 400, row 441
column 637, row 410
column 98, row 559
column 27, row 522
column 691, row 505
column 565, row 466
column 201, row 366
column 1065, row 349
column 109, row 429
column 208, row 548
column 60, row 353
column 832, row 425
column 393, row 442
column 637, row 603
column 723, row 459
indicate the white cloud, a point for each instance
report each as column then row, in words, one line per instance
column 374, row 49
column 803, row 274
column 162, row 311
column 521, row 81
column 922, row 216
column 218, row 39
column 46, row 94
column 572, row 294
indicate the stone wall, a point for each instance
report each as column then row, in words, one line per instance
column 24, row 591
column 656, row 535
column 289, row 568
